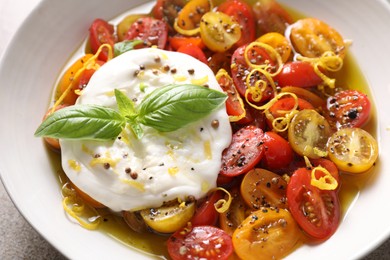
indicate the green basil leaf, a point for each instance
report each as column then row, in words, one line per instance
column 125, row 46
column 82, row 122
column 174, row 106
column 136, row 128
column 125, row 104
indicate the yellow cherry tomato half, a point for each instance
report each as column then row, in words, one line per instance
column 353, row 150
column 312, row 38
column 308, row 134
column 191, row 14
column 169, row 218
column 278, row 42
column 219, row 31
column 266, row 234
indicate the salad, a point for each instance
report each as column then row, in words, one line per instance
column 225, row 128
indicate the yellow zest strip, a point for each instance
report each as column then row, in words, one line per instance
column 328, row 61
column 74, row 206
column 89, row 64
column 260, row 85
column 185, row 32
column 222, row 205
column 327, row 182
column 266, row 67
column 222, row 73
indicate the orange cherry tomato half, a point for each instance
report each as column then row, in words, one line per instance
column 53, row 143
column 194, row 51
column 178, row 41
column 263, row 188
column 201, row 242
column 278, row 42
column 312, row 38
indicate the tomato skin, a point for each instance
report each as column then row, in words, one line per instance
column 201, row 242
column 205, row 213
column 233, row 105
column 243, row 14
column 316, row 211
column 297, row 74
column 178, row 41
column 271, row 16
column 149, row 30
column 240, row 69
column 348, row 108
column 101, row 32
column 245, row 151
column 194, row 51
column 277, row 151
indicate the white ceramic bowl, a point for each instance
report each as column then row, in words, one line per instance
column 56, row 28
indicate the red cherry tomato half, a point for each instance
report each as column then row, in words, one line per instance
column 205, row 213
column 327, row 164
column 193, row 51
column 177, row 41
column 243, row 14
column 277, row 151
column 348, row 108
column 149, row 30
column 240, row 69
column 316, row 211
column 244, row 152
column 297, row 74
column 101, row 32
column 202, row 242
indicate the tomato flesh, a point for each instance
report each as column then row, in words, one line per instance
column 348, row 108
column 149, row 30
column 201, row 242
column 245, row 151
column 101, row 32
column 316, row 211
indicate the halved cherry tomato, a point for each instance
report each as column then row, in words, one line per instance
column 135, row 221
column 278, row 153
column 348, row 108
column 150, row 30
column 266, row 234
column 168, row 10
column 283, row 105
column 177, row 41
column 201, row 242
column 86, row 198
column 312, row 38
column 308, row 134
column 353, row 150
column 316, row 211
column 306, row 94
column 193, row 51
column 328, row 165
column 170, row 217
column 262, row 188
column 234, row 104
column 297, row 74
column 278, row 42
column 244, row 152
column 124, row 25
column 271, row 16
column 240, row 69
column 243, row 14
column 235, row 215
column 205, row 212
column 78, row 83
column 219, row 31
column 220, row 60
column 101, row 32
column 189, row 17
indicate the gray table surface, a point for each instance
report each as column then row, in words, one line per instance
column 18, row 240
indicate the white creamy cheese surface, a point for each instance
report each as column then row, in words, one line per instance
column 130, row 173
